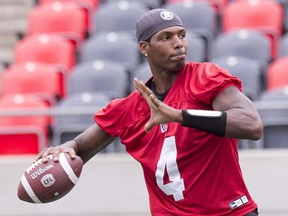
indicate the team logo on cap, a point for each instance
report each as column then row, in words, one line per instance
column 166, row 15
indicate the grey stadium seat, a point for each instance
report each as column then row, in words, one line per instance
column 199, row 18
column 117, row 16
column 75, row 113
column 246, row 43
column 273, row 109
column 283, row 45
column 248, row 71
column 198, row 50
column 108, row 77
column 114, row 46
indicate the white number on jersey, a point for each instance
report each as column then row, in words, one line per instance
column 168, row 159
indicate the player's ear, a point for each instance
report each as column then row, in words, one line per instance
column 144, row 47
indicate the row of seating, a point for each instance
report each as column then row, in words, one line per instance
column 72, row 68
column 40, row 48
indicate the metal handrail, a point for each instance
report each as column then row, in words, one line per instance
column 49, row 112
column 276, row 105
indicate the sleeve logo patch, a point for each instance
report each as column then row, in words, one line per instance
column 237, row 203
column 163, row 128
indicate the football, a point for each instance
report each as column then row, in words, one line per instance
column 49, row 181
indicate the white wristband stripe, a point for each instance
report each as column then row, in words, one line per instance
column 29, row 190
column 204, row 113
column 67, row 168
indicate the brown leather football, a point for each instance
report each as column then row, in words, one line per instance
column 49, row 181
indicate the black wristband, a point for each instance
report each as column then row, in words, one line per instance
column 210, row 121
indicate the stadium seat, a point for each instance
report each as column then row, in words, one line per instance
column 199, row 18
column 263, row 15
column 106, row 77
column 247, row 70
column 267, row 16
column 277, row 75
column 149, row 3
column 284, row 3
column 142, row 72
column 87, row 7
column 117, row 16
column 44, row 48
column 75, row 114
column 198, row 50
column 217, row 4
column 247, row 43
column 57, row 17
column 93, row 3
column 23, row 131
column 283, row 45
column 43, row 80
column 114, row 46
column 273, row 109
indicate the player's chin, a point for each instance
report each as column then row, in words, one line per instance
column 176, row 64
column 179, row 65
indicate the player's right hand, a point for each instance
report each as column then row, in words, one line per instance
column 55, row 151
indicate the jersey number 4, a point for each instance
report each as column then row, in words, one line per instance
column 167, row 159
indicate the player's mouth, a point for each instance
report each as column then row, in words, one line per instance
column 179, row 57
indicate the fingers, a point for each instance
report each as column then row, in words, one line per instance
column 148, row 127
column 54, row 151
column 155, row 103
column 142, row 88
column 152, row 101
column 42, row 155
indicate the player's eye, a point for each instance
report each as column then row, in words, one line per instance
column 165, row 37
column 182, row 36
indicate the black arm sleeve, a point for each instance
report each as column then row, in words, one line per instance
column 215, row 124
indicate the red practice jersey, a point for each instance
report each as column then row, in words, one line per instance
column 187, row 171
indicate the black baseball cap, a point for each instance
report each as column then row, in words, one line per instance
column 155, row 20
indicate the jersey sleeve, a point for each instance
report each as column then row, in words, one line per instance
column 119, row 114
column 106, row 117
column 209, row 80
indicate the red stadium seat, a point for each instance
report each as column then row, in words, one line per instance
column 93, row 3
column 23, row 134
column 277, row 75
column 265, row 15
column 44, row 48
column 58, row 17
column 44, row 80
column 86, row 6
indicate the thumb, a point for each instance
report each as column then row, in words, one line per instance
column 148, row 126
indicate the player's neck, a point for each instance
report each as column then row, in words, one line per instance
column 160, row 96
column 164, row 81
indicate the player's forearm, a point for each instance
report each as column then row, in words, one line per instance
column 235, row 123
column 90, row 142
column 243, row 124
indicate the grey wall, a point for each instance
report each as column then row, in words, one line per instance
column 113, row 185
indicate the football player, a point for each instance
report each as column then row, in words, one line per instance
column 182, row 125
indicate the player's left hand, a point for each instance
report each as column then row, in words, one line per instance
column 161, row 113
